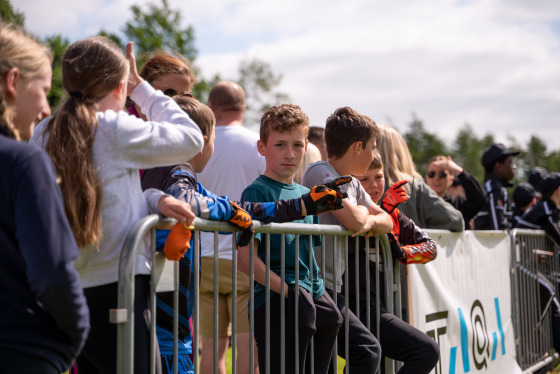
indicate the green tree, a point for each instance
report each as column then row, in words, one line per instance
column 9, row 15
column 422, row 144
column 259, row 82
column 58, row 45
column 468, row 149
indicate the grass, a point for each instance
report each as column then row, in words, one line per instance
column 340, row 362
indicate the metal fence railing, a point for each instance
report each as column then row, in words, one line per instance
column 165, row 278
column 535, row 285
column 535, row 260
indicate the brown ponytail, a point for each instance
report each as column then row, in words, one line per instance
column 91, row 69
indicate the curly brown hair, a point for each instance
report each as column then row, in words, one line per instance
column 283, row 118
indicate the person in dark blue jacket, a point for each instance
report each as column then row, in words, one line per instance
column 44, row 318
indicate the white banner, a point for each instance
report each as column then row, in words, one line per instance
column 463, row 300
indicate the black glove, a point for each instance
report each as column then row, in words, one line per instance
column 325, row 197
column 242, row 219
column 396, row 250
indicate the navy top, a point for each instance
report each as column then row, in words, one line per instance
column 43, row 309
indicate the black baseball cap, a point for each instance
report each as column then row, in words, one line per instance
column 494, row 153
column 536, row 176
column 523, row 194
column 550, row 183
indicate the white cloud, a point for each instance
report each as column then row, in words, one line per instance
column 491, row 63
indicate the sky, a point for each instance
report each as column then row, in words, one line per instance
column 494, row 64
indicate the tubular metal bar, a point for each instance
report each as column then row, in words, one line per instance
column 368, row 285
column 196, row 312
column 125, row 303
column 283, row 307
column 346, row 309
column 310, row 267
column 234, row 306
column 216, row 306
column 267, row 303
column 357, row 276
column 175, row 318
column 153, row 308
column 251, row 306
column 296, row 314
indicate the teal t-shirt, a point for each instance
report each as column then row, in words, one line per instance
column 265, row 189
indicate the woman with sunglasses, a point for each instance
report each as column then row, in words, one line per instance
column 441, row 172
column 424, row 206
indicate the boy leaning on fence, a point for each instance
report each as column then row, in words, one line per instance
column 180, row 181
column 283, row 143
column 351, row 141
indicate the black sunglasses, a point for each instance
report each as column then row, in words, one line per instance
column 442, row 174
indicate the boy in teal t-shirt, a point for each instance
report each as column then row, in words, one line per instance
column 283, row 142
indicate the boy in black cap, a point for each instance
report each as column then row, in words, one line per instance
column 535, row 178
column 545, row 215
column 524, row 197
column 500, row 169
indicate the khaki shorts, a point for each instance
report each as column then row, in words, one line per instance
column 225, row 296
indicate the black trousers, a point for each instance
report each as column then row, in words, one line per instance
column 319, row 319
column 399, row 340
column 363, row 348
column 99, row 355
column 19, row 362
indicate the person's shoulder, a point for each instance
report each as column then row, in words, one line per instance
column 11, row 149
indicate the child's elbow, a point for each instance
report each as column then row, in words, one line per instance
column 243, row 260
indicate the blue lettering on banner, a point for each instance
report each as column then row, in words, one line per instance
column 481, row 349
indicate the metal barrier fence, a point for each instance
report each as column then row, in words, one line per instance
column 124, row 314
column 534, row 259
column 535, row 283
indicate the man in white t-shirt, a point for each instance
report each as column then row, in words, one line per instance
column 235, row 164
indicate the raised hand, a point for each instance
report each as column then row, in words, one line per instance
column 395, row 195
column 134, row 78
column 243, row 220
column 178, row 241
column 326, row 197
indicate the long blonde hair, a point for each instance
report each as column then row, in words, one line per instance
column 19, row 50
column 91, row 69
column 397, row 160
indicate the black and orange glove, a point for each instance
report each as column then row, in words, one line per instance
column 178, row 241
column 395, row 195
column 325, row 197
column 242, row 219
column 396, row 249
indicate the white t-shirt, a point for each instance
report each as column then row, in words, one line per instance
column 235, row 164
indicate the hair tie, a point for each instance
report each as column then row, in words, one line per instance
column 77, row 94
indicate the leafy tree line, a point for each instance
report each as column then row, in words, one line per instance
column 467, row 148
column 158, row 27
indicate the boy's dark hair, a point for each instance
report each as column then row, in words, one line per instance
column 283, row 118
column 377, row 162
column 345, row 127
column 199, row 113
column 316, row 134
